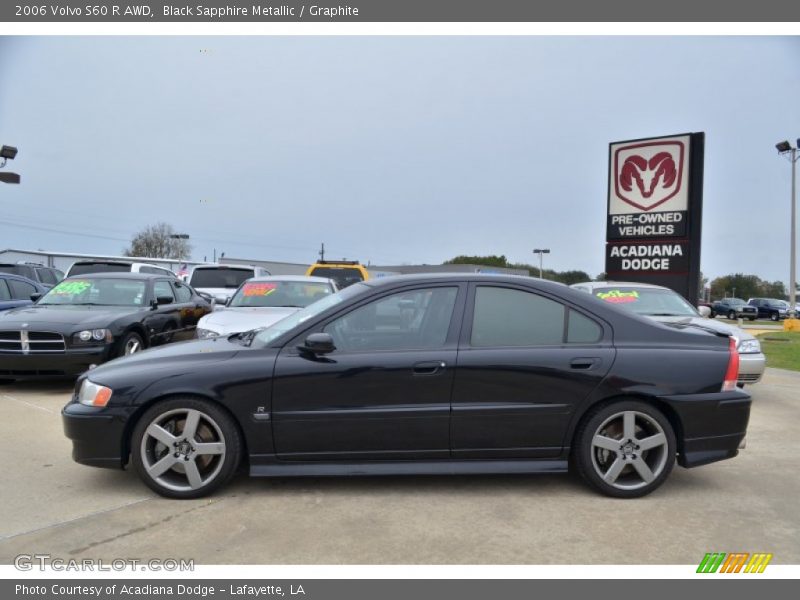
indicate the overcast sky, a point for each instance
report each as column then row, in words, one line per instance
column 388, row 149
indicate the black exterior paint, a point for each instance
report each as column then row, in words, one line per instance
column 486, row 410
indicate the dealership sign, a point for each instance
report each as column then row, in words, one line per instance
column 655, row 211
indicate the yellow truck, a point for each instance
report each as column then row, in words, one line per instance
column 343, row 272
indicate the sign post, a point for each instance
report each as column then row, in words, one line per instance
column 655, row 212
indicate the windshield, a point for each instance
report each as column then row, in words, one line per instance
column 274, row 331
column 257, row 294
column 96, row 291
column 650, row 302
column 84, row 268
column 343, row 276
column 219, row 278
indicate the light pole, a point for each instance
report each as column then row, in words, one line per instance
column 790, row 152
column 540, row 252
column 8, row 153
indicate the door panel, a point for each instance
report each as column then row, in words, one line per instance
column 384, row 393
column 518, row 377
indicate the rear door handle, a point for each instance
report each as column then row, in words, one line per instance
column 584, row 364
column 429, row 368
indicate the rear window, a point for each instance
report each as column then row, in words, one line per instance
column 343, row 276
column 47, row 276
column 84, row 268
column 219, row 278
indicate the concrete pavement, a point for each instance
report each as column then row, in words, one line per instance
column 52, row 505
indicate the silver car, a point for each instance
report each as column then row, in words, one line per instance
column 663, row 304
column 262, row 301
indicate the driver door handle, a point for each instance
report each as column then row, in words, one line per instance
column 433, row 367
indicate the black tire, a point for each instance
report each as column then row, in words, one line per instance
column 590, row 459
column 732, row 315
column 774, row 316
column 130, row 338
column 6, row 381
column 175, row 483
column 751, row 318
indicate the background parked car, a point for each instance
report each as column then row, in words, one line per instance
column 664, row 305
column 221, row 281
column 45, row 276
column 734, row 308
column 84, row 267
column 261, row 301
column 89, row 319
column 769, row 308
column 16, row 291
column 343, row 272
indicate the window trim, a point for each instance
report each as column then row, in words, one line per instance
column 465, row 339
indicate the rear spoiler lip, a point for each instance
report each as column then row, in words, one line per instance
column 695, row 325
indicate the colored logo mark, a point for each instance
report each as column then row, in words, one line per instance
column 735, row 562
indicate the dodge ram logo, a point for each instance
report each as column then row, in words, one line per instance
column 648, row 174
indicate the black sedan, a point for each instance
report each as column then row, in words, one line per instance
column 441, row 374
column 87, row 320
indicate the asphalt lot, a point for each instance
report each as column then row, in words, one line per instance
column 52, row 505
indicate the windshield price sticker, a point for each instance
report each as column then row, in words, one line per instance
column 258, row 289
column 71, row 288
column 618, row 296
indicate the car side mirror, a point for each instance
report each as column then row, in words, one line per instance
column 318, row 343
column 35, row 296
column 163, row 300
column 704, row 311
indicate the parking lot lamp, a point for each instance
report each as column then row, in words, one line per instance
column 8, row 153
column 540, row 252
column 790, row 152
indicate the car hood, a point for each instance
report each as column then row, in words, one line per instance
column 234, row 320
column 712, row 324
column 59, row 318
column 171, row 356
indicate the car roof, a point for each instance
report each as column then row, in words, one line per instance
column 123, row 275
column 594, row 285
column 242, row 267
column 5, row 275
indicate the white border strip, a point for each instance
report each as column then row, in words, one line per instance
column 303, row 572
column 366, row 29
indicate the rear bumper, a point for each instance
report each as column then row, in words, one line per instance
column 70, row 363
column 751, row 367
column 96, row 434
column 712, row 426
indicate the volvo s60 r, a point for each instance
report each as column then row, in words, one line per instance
column 444, row 374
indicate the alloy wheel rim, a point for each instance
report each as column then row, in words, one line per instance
column 132, row 346
column 629, row 450
column 183, row 450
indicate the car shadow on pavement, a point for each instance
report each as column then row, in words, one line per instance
column 47, row 386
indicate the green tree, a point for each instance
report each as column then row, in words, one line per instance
column 488, row 261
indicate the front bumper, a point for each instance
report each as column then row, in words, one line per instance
column 97, row 434
column 751, row 368
column 71, row 362
column 712, row 426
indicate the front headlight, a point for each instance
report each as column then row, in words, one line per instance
column 92, row 394
column 93, row 336
column 749, row 347
column 205, row 334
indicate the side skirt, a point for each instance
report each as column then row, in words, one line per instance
column 263, row 466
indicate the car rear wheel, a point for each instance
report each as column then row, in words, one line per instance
column 732, row 315
column 625, row 449
column 186, row 447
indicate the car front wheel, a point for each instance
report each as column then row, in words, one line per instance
column 774, row 317
column 732, row 315
column 186, row 447
column 625, row 449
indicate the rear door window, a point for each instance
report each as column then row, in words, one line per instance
column 5, row 293
column 511, row 317
column 46, row 276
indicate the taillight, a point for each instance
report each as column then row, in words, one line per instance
column 732, row 374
